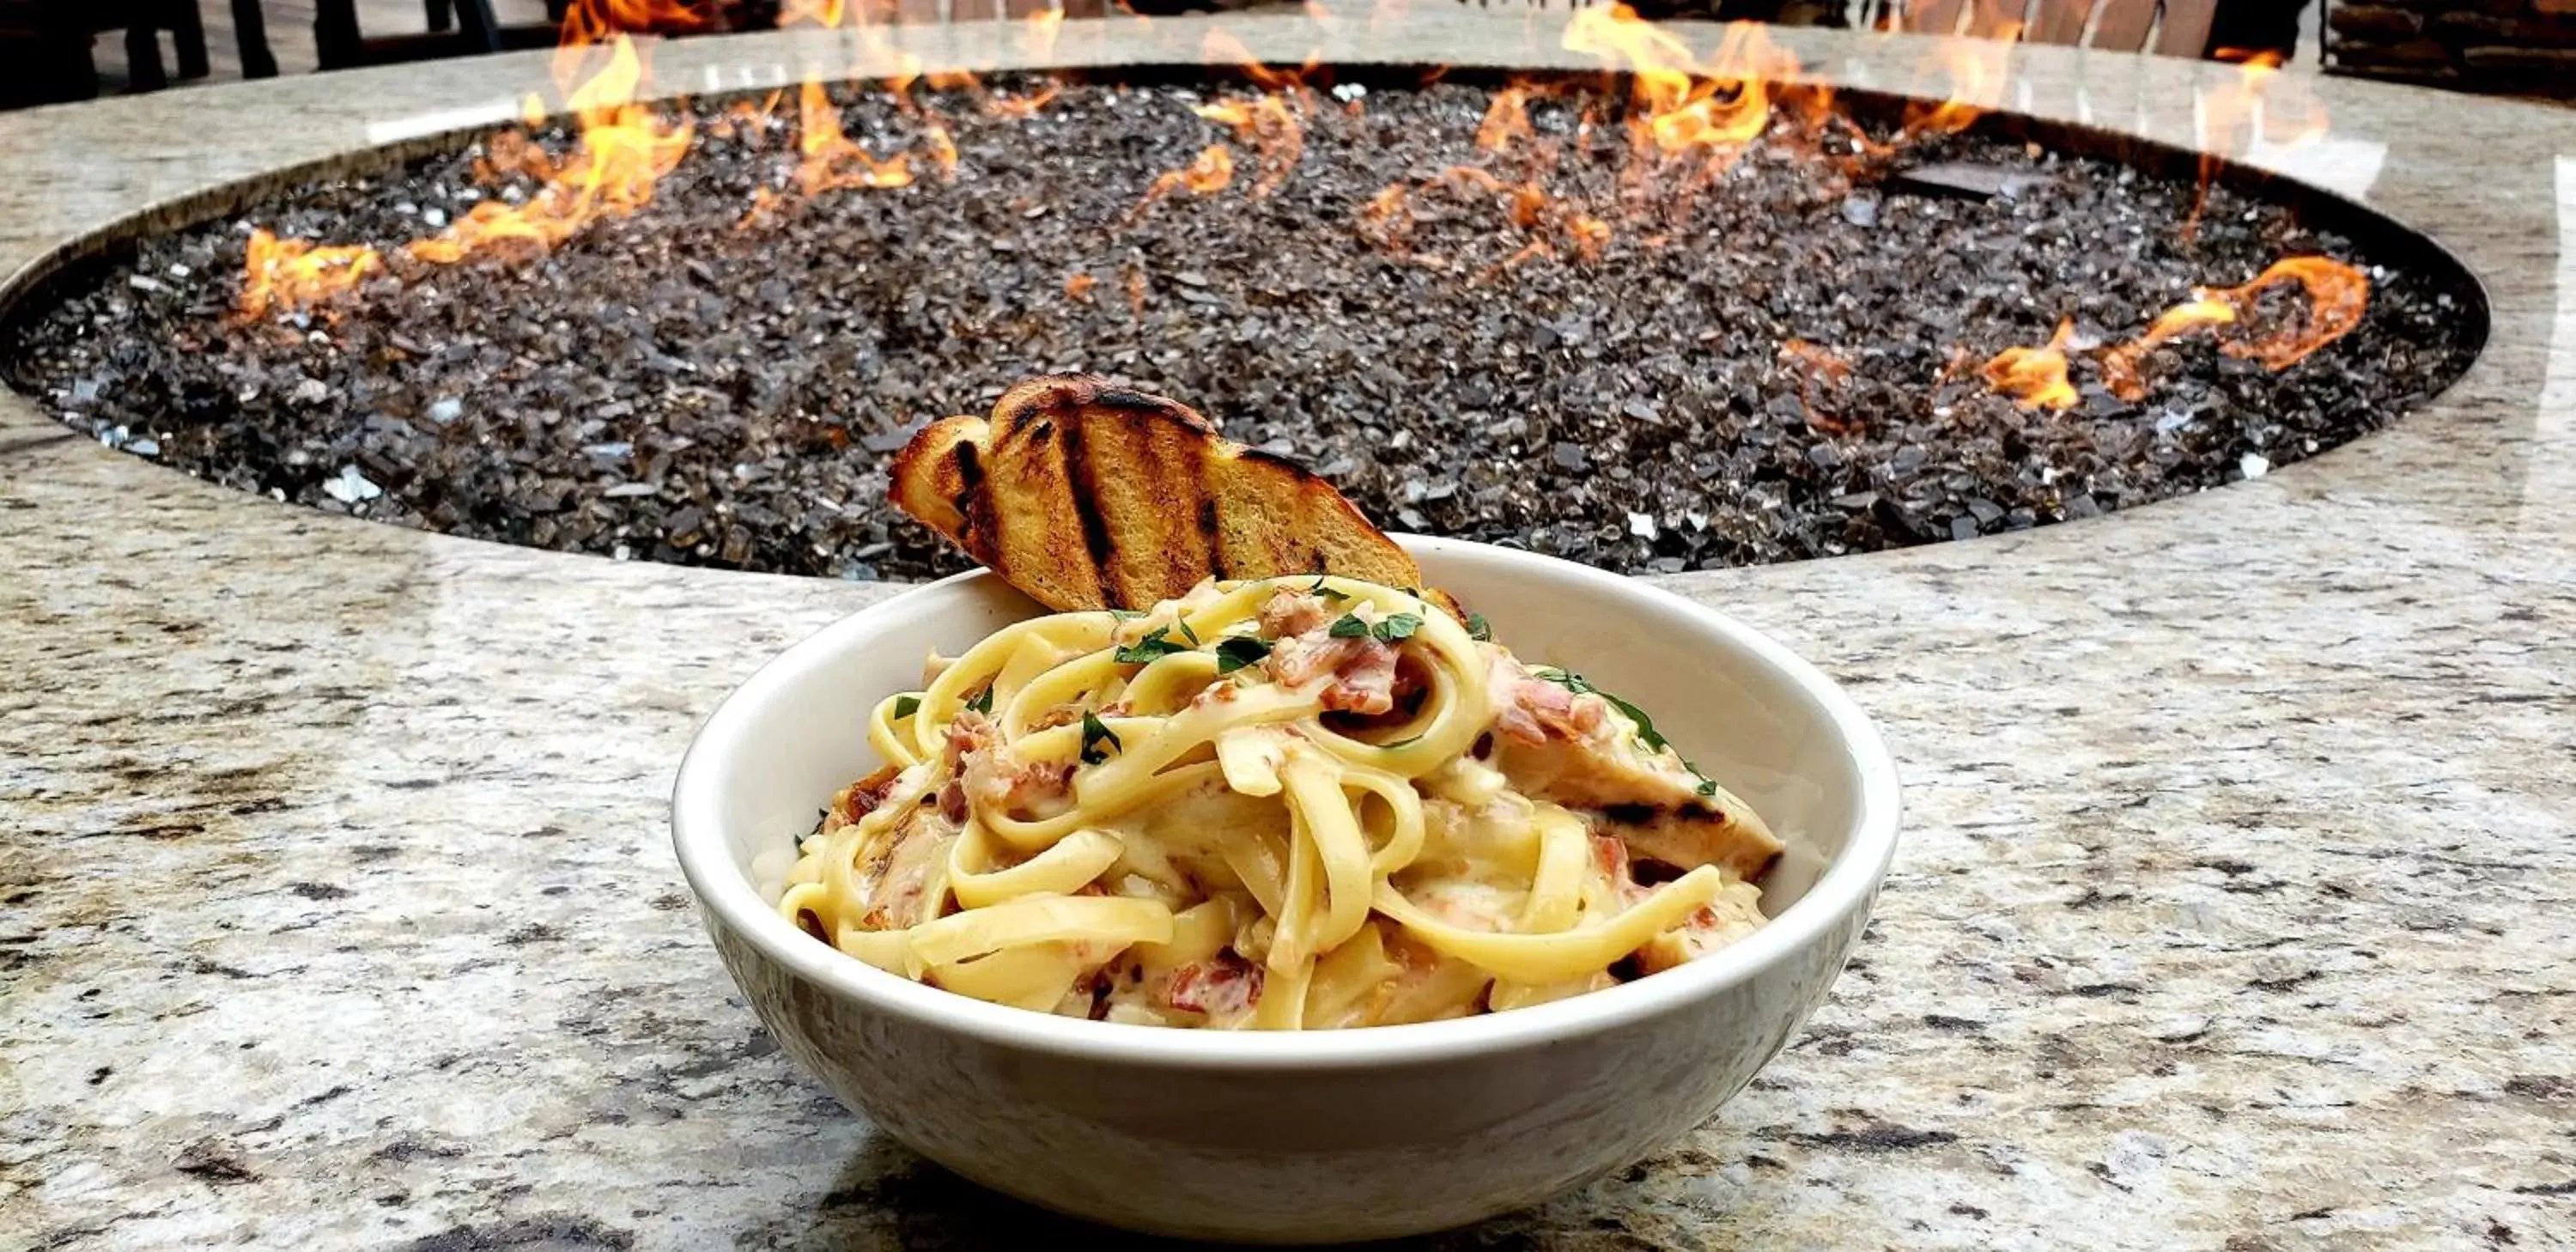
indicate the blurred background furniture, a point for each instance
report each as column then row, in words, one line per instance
column 2484, row 45
column 47, row 46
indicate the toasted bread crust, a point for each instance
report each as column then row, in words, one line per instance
column 1088, row 495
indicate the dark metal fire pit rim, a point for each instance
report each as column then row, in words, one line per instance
column 2365, row 224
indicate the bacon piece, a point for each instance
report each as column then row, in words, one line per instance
column 862, row 797
column 1221, row 987
column 1533, row 710
column 979, row 776
column 1290, row 613
column 1362, row 671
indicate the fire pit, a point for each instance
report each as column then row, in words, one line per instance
column 1692, row 315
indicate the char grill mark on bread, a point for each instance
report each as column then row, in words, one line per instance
column 1157, row 500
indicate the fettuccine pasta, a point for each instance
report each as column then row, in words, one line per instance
column 1286, row 804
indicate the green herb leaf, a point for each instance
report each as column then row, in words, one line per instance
column 1576, row 683
column 906, row 706
column 1149, row 649
column 1398, row 628
column 1094, row 733
column 1479, row 629
column 1186, row 632
column 983, row 701
column 1241, row 650
column 1125, row 615
column 1329, row 595
column 1349, row 626
column 1567, row 679
column 1707, row 785
column 1646, row 732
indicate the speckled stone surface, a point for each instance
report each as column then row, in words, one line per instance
column 337, row 909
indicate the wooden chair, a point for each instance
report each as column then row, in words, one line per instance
column 456, row 28
column 2174, row 28
column 2178, row 27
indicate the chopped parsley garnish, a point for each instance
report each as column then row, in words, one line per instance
column 1319, row 589
column 1186, row 632
column 1349, row 626
column 1125, row 615
column 983, row 701
column 1398, row 628
column 906, row 706
column 1239, row 651
column 1479, row 629
column 1094, row 733
column 1151, row 648
column 1707, row 785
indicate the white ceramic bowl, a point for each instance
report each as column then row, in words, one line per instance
column 1328, row 1135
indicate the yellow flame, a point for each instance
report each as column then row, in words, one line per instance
column 2036, row 377
column 295, row 274
column 624, row 149
column 1679, row 105
column 831, row 159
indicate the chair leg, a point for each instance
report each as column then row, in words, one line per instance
column 143, row 58
column 336, row 42
column 442, row 15
column 188, row 34
column 250, row 33
column 481, row 30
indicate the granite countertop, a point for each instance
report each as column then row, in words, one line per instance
column 2232, row 910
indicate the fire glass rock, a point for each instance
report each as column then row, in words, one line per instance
column 704, row 384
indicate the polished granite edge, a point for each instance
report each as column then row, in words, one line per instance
column 2229, row 914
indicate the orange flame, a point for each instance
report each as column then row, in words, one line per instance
column 1506, row 119
column 745, row 120
column 2120, row 374
column 1137, row 291
column 1590, row 235
column 2337, row 295
column 1022, row 108
column 2257, row 104
column 625, row 148
column 1818, row 370
column 831, row 159
column 1534, row 248
column 1267, row 124
column 825, row 13
column 1038, row 34
column 1680, row 105
column 1387, row 220
column 2036, row 377
column 295, row 274
column 1220, row 48
column 1975, row 68
column 1207, row 174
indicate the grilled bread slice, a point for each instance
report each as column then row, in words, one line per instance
column 1086, row 495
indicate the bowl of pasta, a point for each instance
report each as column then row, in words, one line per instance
column 1289, row 909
